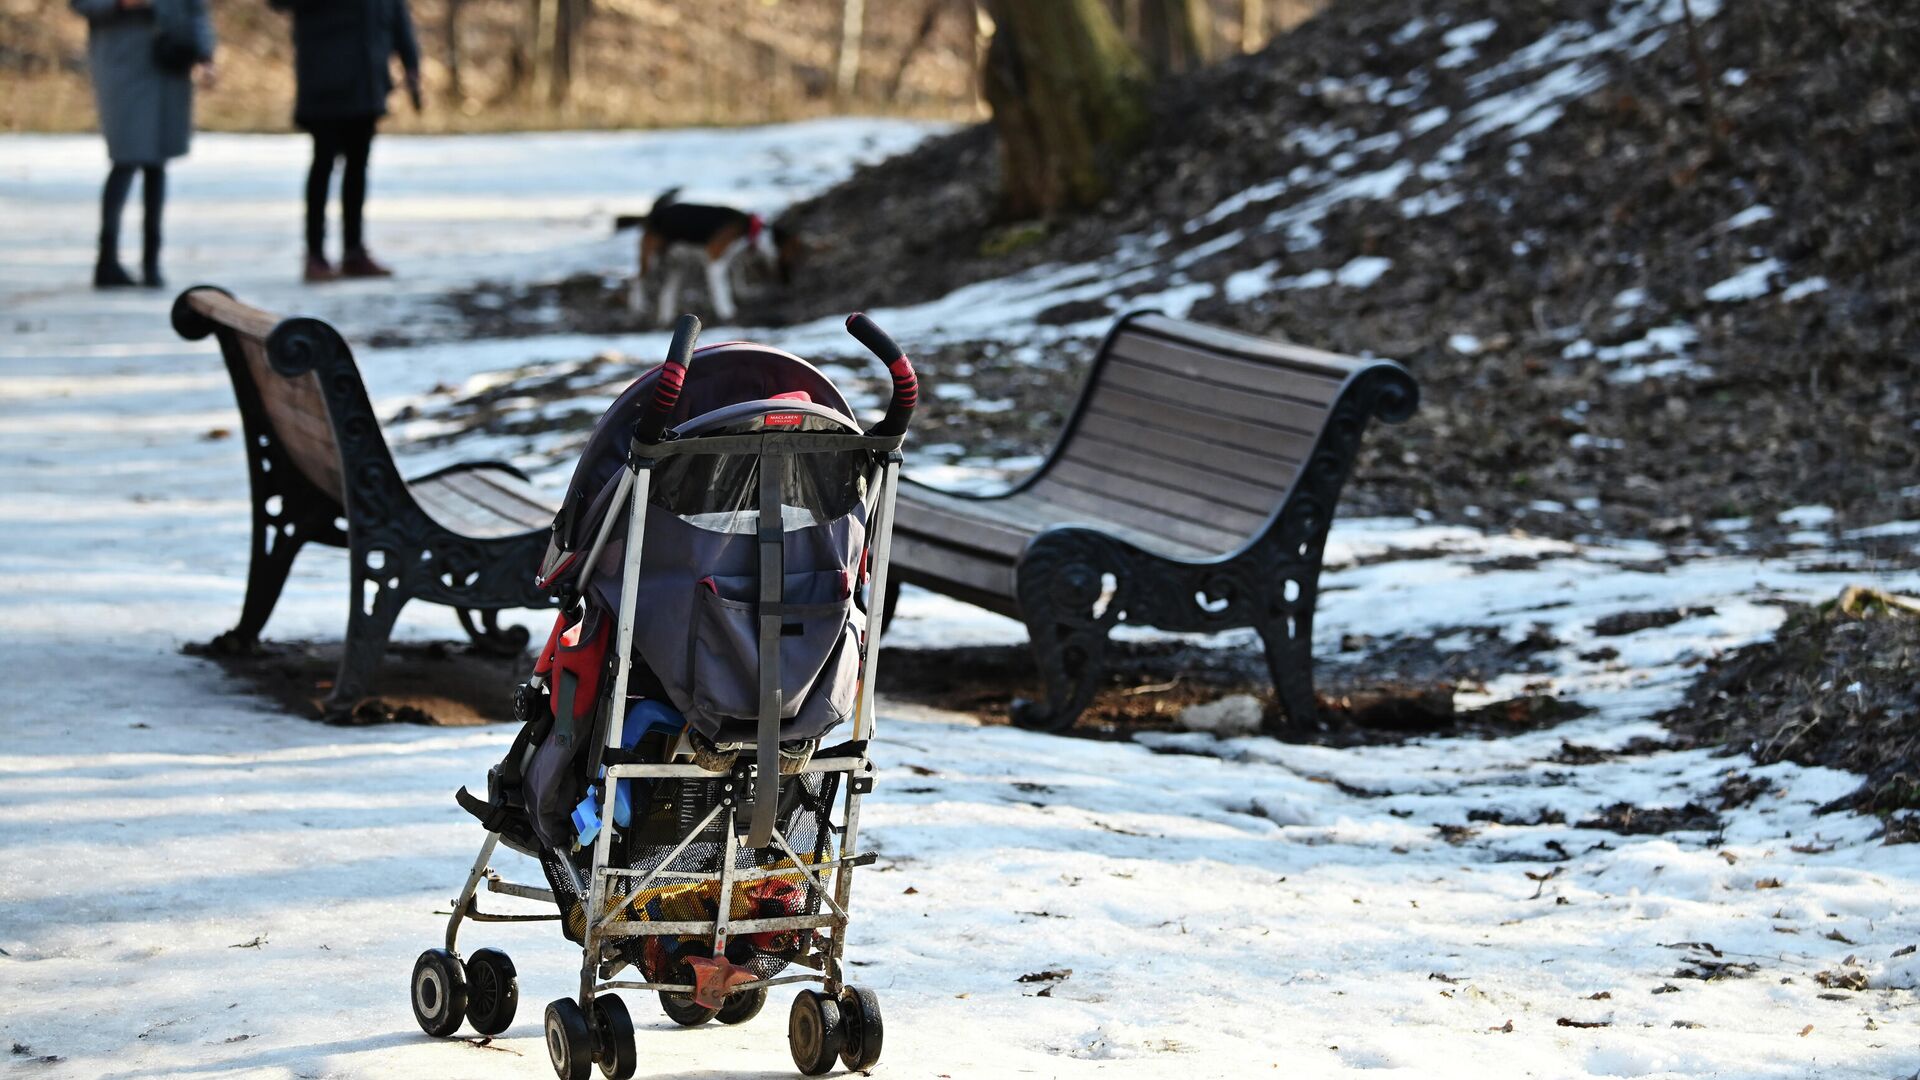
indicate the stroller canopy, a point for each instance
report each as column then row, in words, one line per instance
column 733, row 373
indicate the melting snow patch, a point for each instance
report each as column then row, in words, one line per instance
column 1630, row 298
column 1811, row 516
column 1465, row 344
column 1428, row 120
column 1800, row 290
column 1363, row 271
column 1461, row 40
column 1752, row 215
column 1749, row 284
column 1247, row 284
column 1891, row 528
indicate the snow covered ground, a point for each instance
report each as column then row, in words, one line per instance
column 197, row 885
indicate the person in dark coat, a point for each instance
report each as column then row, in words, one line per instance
column 343, row 52
column 141, row 55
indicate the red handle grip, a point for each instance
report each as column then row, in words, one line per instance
column 673, row 373
column 906, row 386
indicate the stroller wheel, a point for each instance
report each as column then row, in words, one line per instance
column 814, row 1032
column 613, row 1038
column 439, row 993
column 681, row 1009
column 569, row 1043
column 743, row 1006
column 860, row 1013
column 493, row 991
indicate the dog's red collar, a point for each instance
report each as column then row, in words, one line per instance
column 754, row 224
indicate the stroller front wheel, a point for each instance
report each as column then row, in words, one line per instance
column 439, row 992
column 493, row 991
column 613, row 1038
column 569, row 1042
column 815, row 1032
column 860, row 1013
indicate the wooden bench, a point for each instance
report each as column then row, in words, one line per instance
column 470, row 536
column 1190, row 490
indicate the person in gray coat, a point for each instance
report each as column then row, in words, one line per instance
column 141, row 55
column 343, row 53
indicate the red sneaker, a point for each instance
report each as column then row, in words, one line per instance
column 360, row 264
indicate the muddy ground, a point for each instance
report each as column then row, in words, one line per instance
column 1838, row 685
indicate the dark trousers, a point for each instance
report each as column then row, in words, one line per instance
column 113, row 203
column 351, row 138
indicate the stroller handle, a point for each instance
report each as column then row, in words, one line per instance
column 906, row 386
column 673, row 373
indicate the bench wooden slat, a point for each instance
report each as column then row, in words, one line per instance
column 1149, row 419
column 496, row 500
column 1231, row 342
column 1285, row 413
column 299, row 415
column 1154, row 530
column 1201, row 504
column 1148, row 469
column 1266, row 379
column 459, row 513
column 949, row 564
column 1106, row 437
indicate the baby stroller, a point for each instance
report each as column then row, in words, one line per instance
column 670, row 775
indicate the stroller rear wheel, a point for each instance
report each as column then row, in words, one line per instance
column 493, row 991
column 439, row 993
column 613, row 1038
column 743, row 1006
column 681, row 1009
column 860, row 1013
column 814, row 1032
column 569, row 1042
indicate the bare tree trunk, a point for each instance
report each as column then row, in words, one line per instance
column 929, row 18
column 1253, row 25
column 566, row 14
column 1174, row 34
column 1066, row 95
column 853, row 17
column 539, row 58
column 452, row 24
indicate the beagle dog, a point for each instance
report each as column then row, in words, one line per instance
column 719, row 235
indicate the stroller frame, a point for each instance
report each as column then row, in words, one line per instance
column 830, row 879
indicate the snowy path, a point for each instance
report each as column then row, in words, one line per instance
column 197, row 886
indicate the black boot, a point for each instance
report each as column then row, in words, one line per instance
column 107, row 271
column 109, row 274
column 150, row 271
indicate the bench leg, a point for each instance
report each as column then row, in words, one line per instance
column 376, row 604
column 1058, row 588
column 1288, row 636
column 275, row 542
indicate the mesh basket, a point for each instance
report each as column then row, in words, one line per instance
column 678, row 806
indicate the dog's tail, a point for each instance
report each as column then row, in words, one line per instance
column 641, row 221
